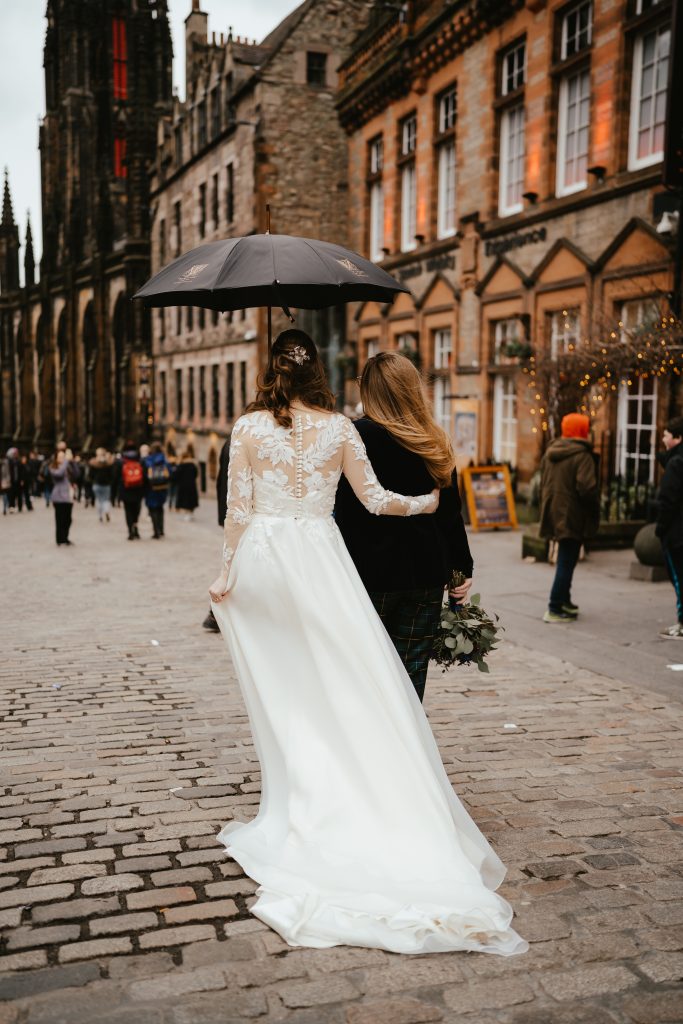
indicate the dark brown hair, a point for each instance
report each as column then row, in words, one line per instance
column 675, row 426
column 294, row 371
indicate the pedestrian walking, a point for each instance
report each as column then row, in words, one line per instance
column 102, row 473
column 15, row 495
column 157, row 479
column 172, row 459
column 62, row 495
column 46, row 481
column 570, row 508
column 26, row 483
column 669, row 528
column 405, row 563
column 222, row 498
column 130, row 484
column 5, row 483
column 187, row 495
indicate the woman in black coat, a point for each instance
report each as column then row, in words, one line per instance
column 185, row 477
column 405, row 563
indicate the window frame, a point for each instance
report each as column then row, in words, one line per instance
column 510, row 51
column 202, row 209
column 407, row 139
column 510, row 102
column 441, row 380
column 119, row 57
column 230, row 391
column 564, row 16
column 504, row 392
column 229, row 193
column 408, row 207
column 325, row 59
column 179, row 384
column 555, row 336
column 444, row 227
column 634, row 162
column 445, row 141
column 562, row 189
column 376, row 221
column 191, row 404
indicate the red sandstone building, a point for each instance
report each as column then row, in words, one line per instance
column 505, row 161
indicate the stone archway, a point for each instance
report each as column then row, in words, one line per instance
column 47, row 379
column 90, row 362
column 121, row 358
column 27, row 403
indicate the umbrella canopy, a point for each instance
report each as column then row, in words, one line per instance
column 268, row 270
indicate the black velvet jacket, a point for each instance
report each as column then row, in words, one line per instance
column 396, row 552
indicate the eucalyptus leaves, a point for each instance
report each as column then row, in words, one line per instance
column 467, row 632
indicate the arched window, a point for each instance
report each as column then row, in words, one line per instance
column 120, row 58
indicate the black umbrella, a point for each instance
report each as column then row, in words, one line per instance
column 268, row 270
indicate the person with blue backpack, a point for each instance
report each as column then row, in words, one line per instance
column 157, row 480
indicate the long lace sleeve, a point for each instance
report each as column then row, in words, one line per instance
column 240, row 493
column 358, row 470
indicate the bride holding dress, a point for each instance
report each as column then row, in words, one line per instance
column 359, row 839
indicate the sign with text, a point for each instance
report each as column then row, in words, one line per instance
column 490, row 502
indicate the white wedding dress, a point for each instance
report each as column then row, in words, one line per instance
column 359, row 838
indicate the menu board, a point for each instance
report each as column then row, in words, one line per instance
column 490, row 501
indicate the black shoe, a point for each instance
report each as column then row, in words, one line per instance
column 561, row 616
column 136, row 533
column 211, row 624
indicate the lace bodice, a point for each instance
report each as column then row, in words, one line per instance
column 278, row 471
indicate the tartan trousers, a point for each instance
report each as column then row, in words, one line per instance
column 411, row 618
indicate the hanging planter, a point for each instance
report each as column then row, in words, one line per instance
column 516, row 349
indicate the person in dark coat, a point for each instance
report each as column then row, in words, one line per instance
column 17, row 474
column 157, row 479
column 101, row 474
column 222, row 498
column 129, row 483
column 405, row 563
column 669, row 528
column 570, row 508
column 187, row 495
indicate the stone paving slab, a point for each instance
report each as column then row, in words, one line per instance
column 121, row 758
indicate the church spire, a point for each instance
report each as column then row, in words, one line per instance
column 7, row 212
column 29, row 259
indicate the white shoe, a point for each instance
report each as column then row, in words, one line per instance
column 674, row 632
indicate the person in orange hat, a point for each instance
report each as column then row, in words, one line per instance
column 570, row 508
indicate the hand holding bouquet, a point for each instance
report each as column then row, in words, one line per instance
column 467, row 632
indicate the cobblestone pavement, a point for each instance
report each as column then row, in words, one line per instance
column 125, row 747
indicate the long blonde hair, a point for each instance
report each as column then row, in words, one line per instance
column 393, row 395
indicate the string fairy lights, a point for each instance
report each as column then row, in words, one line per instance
column 585, row 374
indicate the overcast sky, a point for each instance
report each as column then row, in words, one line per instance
column 22, row 92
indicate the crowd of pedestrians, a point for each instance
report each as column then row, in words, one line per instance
column 138, row 474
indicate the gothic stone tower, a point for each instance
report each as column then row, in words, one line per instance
column 107, row 81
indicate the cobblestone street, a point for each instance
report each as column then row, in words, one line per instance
column 125, row 747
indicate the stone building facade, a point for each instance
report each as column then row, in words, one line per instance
column 505, row 162
column 258, row 126
column 74, row 351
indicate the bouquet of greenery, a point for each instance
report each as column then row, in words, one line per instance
column 467, row 633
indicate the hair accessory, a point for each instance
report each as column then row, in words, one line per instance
column 299, row 354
